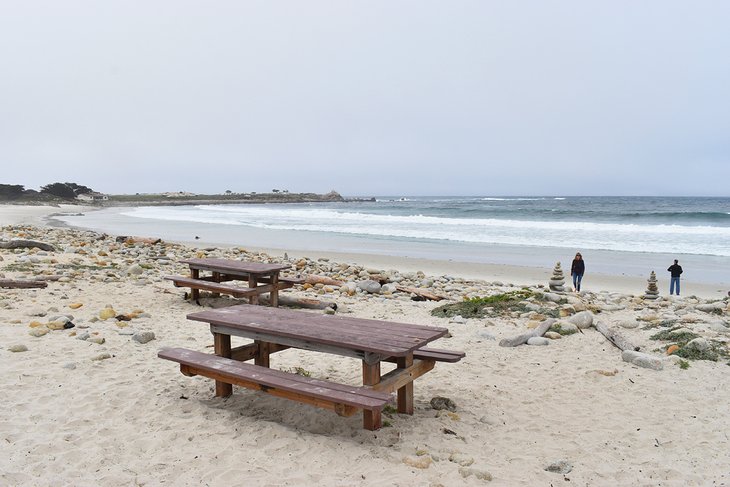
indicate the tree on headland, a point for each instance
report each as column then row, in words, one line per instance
column 11, row 191
column 65, row 190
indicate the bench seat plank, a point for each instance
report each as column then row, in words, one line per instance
column 269, row 379
column 218, row 287
column 438, row 354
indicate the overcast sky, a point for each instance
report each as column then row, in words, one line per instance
column 368, row 98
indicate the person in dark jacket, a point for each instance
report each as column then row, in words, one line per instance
column 577, row 270
column 676, row 271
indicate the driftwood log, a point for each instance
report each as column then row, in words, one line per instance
column 14, row 284
column 422, row 293
column 615, row 337
column 306, row 303
column 522, row 339
column 327, row 281
column 26, row 244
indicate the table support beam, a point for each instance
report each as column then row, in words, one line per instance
column 222, row 346
column 371, row 420
column 405, row 393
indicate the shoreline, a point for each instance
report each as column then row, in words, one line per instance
column 629, row 277
column 507, row 273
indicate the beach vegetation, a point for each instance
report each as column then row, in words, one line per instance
column 683, row 364
column 714, row 352
column 559, row 329
column 480, row 307
column 19, row 267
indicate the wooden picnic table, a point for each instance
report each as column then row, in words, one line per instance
column 274, row 329
column 260, row 277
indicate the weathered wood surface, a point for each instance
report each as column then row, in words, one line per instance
column 236, row 291
column 317, row 392
column 422, row 293
column 306, row 303
column 364, row 335
column 522, row 339
column 615, row 337
column 235, row 267
column 16, row 284
column 26, row 244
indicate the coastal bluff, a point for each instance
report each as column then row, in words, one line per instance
column 178, row 199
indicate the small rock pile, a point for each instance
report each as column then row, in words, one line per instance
column 557, row 280
column 652, row 292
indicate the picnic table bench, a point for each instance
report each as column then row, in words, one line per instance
column 274, row 330
column 260, row 277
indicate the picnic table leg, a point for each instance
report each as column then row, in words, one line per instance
column 253, row 284
column 371, row 420
column 264, row 351
column 222, row 344
column 405, row 393
column 194, row 293
column 274, row 294
column 216, row 278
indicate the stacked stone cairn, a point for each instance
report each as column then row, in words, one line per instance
column 557, row 280
column 652, row 292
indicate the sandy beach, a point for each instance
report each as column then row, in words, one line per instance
column 91, row 405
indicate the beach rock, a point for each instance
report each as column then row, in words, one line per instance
column 440, row 403
column 97, row 340
column 476, row 472
column 710, row 307
column 107, row 313
column 143, row 337
column 552, row 297
column 75, row 305
column 83, row 336
column 561, row 466
column 461, row 459
column 564, row 327
column 18, row 348
column 642, row 360
column 699, row 344
column 458, row 319
column 369, row 286
column 629, row 324
column 538, row 341
column 38, row 312
column 69, row 366
column 38, row 332
column 101, row 356
column 552, row 335
column 582, row 320
column 422, row 462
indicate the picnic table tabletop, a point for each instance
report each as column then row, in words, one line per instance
column 235, row 266
column 380, row 337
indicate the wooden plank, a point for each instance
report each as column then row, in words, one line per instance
column 234, row 266
column 215, row 287
column 249, row 352
column 386, row 338
column 262, row 358
column 397, row 378
column 371, row 419
column 302, row 344
column 438, row 354
column 222, row 347
column 261, row 378
column 405, row 393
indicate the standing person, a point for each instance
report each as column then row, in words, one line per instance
column 577, row 269
column 676, row 271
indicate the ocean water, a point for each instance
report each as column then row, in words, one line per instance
column 624, row 234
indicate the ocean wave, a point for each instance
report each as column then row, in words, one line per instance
column 697, row 239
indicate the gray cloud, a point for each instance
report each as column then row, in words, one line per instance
column 368, row 97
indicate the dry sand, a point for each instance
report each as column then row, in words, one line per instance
column 132, row 419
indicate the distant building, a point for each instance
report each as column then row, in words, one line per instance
column 93, row 196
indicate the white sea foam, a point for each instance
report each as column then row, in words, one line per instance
column 577, row 234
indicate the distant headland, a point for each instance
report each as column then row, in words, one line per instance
column 72, row 193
